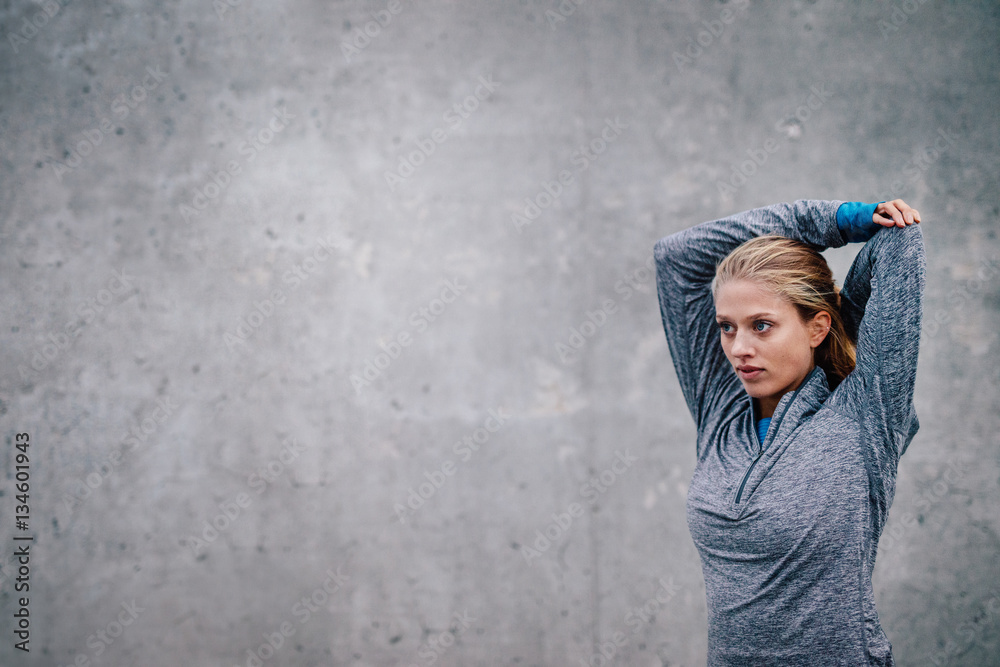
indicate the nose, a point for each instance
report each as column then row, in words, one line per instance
column 742, row 345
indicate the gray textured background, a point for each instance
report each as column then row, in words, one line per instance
column 91, row 185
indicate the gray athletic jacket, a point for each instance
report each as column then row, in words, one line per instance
column 788, row 528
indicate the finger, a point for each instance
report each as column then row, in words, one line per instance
column 897, row 214
column 911, row 214
column 892, row 211
column 889, row 211
column 883, row 219
column 907, row 211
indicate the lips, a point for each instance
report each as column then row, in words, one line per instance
column 749, row 372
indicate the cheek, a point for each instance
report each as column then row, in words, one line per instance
column 780, row 351
column 790, row 350
column 726, row 347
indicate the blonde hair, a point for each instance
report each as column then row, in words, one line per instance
column 798, row 273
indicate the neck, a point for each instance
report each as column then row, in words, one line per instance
column 765, row 408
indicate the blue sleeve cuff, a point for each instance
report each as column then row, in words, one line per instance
column 855, row 221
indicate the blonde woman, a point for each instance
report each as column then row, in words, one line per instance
column 802, row 395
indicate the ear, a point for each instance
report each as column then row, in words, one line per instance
column 819, row 328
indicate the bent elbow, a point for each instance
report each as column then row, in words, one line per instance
column 666, row 251
column 908, row 238
column 903, row 247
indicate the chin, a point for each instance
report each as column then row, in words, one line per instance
column 756, row 390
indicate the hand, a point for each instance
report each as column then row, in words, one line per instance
column 895, row 213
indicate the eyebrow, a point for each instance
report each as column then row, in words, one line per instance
column 751, row 317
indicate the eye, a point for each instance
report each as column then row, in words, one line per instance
column 764, row 322
column 722, row 327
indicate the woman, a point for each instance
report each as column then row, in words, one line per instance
column 802, row 394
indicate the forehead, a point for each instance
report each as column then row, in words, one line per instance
column 743, row 298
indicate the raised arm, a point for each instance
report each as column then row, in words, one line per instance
column 882, row 307
column 685, row 266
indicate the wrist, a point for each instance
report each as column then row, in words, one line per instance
column 856, row 221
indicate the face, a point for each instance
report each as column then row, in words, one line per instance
column 766, row 341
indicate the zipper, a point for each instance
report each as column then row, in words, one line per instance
column 772, row 427
column 747, row 475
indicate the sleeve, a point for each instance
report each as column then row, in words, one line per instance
column 882, row 307
column 685, row 267
column 855, row 221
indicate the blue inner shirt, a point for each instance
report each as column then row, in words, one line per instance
column 762, row 425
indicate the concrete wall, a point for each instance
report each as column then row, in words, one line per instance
column 201, row 246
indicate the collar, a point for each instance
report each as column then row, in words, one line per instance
column 796, row 405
